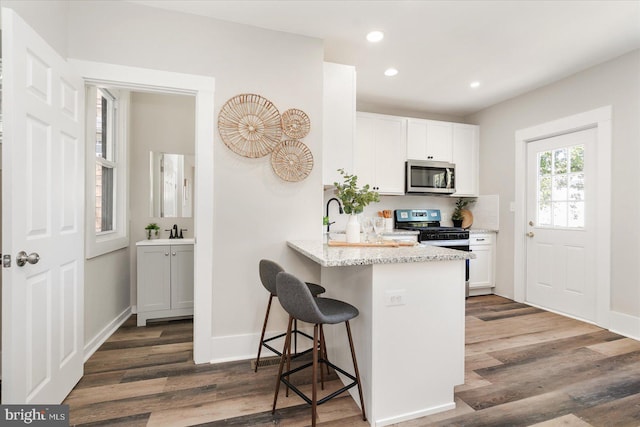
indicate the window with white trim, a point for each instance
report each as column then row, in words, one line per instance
column 106, row 170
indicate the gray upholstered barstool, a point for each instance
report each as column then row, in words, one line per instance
column 297, row 300
column 268, row 271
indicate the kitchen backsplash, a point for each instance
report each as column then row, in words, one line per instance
column 485, row 216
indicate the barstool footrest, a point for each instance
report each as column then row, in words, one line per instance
column 295, row 355
column 326, row 398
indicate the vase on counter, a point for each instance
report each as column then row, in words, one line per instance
column 353, row 229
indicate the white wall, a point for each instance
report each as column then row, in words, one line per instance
column 615, row 83
column 254, row 211
column 159, row 122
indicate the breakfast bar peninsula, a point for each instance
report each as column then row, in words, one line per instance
column 409, row 336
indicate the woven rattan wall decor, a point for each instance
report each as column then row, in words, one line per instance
column 250, row 125
column 292, row 160
column 295, row 123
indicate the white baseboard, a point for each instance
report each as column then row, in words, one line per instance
column 95, row 343
column 624, row 324
column 242, row 347
column 414, row 415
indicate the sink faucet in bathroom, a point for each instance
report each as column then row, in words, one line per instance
column 173, row 231
column 327, row 213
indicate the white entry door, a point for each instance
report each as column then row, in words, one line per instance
column 561, row 205
column 42, row 215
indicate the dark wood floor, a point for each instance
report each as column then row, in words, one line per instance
column 524, row 367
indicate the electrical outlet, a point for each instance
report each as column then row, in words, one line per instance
column 395, row 297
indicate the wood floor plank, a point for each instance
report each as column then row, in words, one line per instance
column 617, row 347
column 568, row 420
column 105, row 393
column 624, row 412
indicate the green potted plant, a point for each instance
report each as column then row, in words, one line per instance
column 354, row 199
column 152, row 227
column 458, row 213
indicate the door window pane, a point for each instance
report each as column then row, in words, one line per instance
column 577, row 158
column 576, row 187
column 576, row 214
column 559, row 214
column 560, row 161
column 559, row 191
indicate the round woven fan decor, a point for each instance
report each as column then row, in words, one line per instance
column 292, row 160
column 250, row 125
column 295, row 123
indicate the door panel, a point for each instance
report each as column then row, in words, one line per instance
column 561, row 215
column 42, row 211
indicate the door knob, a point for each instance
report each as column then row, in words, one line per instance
column 530, row 234
column 531, row 223
column 23, row 258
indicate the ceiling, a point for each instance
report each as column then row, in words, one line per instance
column 440, row 47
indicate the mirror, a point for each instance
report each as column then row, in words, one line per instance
column 171, row 190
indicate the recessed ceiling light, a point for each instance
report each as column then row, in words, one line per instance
column 390, row 72
column 375, row 36
column 474, row 85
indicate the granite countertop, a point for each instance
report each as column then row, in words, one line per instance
column 481, row 230
column 340, row 256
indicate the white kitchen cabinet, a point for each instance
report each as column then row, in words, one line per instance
column 380, row 152
column 339, row 121
column 465, row 157
column 482, row 267
column 164, row 280
column 429, row 140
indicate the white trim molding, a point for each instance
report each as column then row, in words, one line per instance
column 625, row 324
column 94, row 344
column 202, row 87
column 600, row 119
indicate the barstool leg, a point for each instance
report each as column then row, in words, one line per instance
column 264, row 328
column 323, row 344
column 355, row 367
column 314, row 379
column 287, row 343
column 323, row 356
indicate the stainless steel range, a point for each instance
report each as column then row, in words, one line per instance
column 427, row 223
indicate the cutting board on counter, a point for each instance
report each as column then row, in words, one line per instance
column 385, row 244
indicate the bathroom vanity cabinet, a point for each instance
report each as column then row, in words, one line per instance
column 165, row 279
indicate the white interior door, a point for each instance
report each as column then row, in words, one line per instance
column 561, row 205
column 42, row 210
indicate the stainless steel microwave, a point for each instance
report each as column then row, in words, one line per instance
column 430, row 177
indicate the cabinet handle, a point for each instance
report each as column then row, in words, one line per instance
column 173, row 253
column 479, row 240
column 166, row 254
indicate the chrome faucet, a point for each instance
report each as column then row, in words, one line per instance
column 327, row 213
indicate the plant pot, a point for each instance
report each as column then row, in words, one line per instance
column 353, row 229
column 457, row 222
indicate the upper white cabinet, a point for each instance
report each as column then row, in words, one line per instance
column 380, row 152
column 429, row 140
column 465, row 157
column 339, row 118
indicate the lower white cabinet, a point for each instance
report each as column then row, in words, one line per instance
column 165, row 281
column 482, row 267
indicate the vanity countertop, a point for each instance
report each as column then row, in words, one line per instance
column 162, row 242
